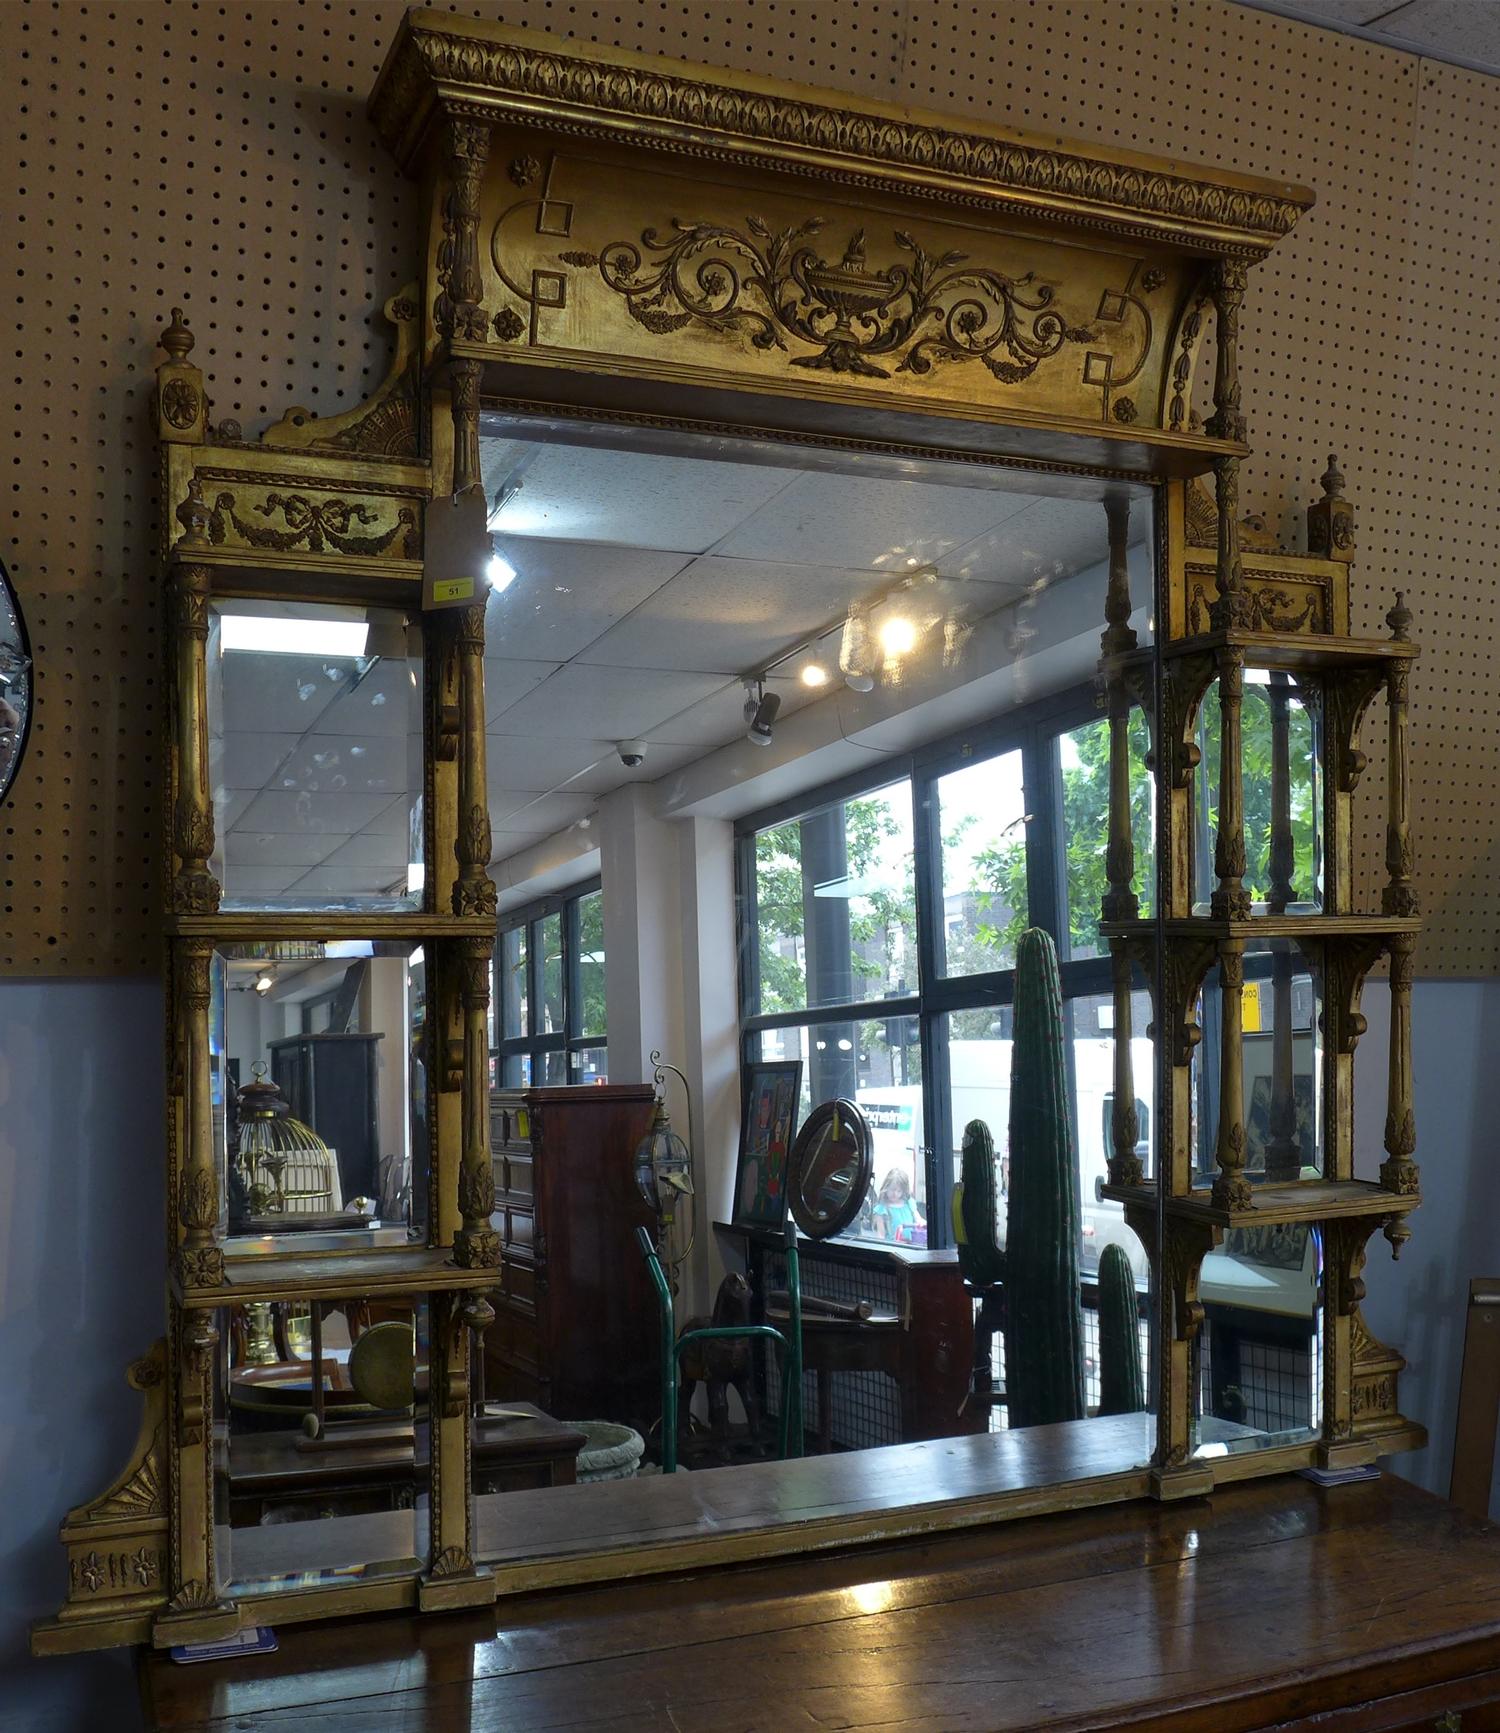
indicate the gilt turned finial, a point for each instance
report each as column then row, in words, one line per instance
column 1399, row 619
column 1333, row 481
column 177, row 340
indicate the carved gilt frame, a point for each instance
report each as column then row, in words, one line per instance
column 622, row 237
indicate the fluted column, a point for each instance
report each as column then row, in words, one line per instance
column 1231, row 1189
column 1399, row 896
column 458, row 311
column 200, row 1259
column 476, row 1244
column 1230, row 900
column 1124, row 1120
column 474, row 890
column 1283, row 1149
column 1398, row 1172
column 195, row 891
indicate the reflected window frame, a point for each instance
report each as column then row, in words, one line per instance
column 1036, row 731
column 519, row 1056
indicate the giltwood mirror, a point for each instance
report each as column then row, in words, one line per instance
column 772, row 598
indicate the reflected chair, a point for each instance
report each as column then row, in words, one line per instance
column 788, row 1343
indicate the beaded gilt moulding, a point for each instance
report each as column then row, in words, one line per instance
column 645, row 245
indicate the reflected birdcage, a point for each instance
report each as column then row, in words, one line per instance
column 286, row 1166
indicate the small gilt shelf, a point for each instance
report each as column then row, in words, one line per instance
column 239, row 926
column 1293, row 652
column 1303, row 1201
column 363, row 1275
column 1267, row 927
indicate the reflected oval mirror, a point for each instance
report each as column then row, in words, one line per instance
column 15, row 683
column 829, row 1169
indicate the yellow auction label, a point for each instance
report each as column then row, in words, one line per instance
column 452, row 589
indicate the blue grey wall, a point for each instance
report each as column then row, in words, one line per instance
column 1419, row 1303
column 81, row 1263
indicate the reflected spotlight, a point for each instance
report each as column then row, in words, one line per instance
column 760, row 712
column 501, row 573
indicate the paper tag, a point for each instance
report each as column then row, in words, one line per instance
column 456, row 551
column 446, row 590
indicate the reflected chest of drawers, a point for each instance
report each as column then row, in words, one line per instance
column 576, row 1328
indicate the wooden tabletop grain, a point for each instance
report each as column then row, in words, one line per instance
column 1366, row 1606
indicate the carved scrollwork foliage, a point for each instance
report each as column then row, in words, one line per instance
column 915, row 314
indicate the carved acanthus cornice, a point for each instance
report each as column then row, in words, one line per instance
column 519, row 78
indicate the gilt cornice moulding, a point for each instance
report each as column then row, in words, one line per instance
column 440, row 64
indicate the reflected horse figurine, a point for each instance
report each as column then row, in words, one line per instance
column 720, row 1364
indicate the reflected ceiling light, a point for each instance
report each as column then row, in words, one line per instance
column 265, row 981
column 277, row 635
column 856, row 657
column 501, row 573
column 760, row 712
column 898, row 636
column 813, row 674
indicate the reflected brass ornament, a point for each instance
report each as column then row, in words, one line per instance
column 773, row 286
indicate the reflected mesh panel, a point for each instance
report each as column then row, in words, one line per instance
column 864, row 1407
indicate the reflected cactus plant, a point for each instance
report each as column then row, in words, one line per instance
column 1121, row 1387
column 975, row 1218
column 1043, row 1316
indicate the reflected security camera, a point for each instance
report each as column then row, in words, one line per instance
column 632, row 752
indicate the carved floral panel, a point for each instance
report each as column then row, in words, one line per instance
column 806, row 290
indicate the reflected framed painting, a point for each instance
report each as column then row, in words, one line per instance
column 768, row 1116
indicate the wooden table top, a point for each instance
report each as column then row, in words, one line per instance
column 1265, row 1604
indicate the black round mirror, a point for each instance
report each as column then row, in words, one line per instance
column 829, row 1170
column 15, row 683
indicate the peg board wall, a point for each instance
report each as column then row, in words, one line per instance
column 217, row 157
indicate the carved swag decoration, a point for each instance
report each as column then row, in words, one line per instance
column 316, row 524
column 775, row 286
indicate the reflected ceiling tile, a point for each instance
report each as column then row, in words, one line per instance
column 513, row 761
column 507, row 682
column 718, row 718
column 227, row 811
column 386, row 701
column 392, row 820
column 251, row 879
column 348, row 880
column 287, row 694
column 848, row 521
column 539, row 814
column 728, row 616
column 261, row 848
column 324, row 813
column 635, row 499
column 240, row 761
column 565, row 594
column 610, row 703
column 1050, row 539
column 368, row 849
column 338, row 763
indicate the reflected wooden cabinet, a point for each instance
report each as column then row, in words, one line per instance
column 329, row 1082
column 576, row 1328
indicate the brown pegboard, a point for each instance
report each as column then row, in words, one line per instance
column 217, row 157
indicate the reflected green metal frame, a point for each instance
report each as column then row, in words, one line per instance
column 788, row 1343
